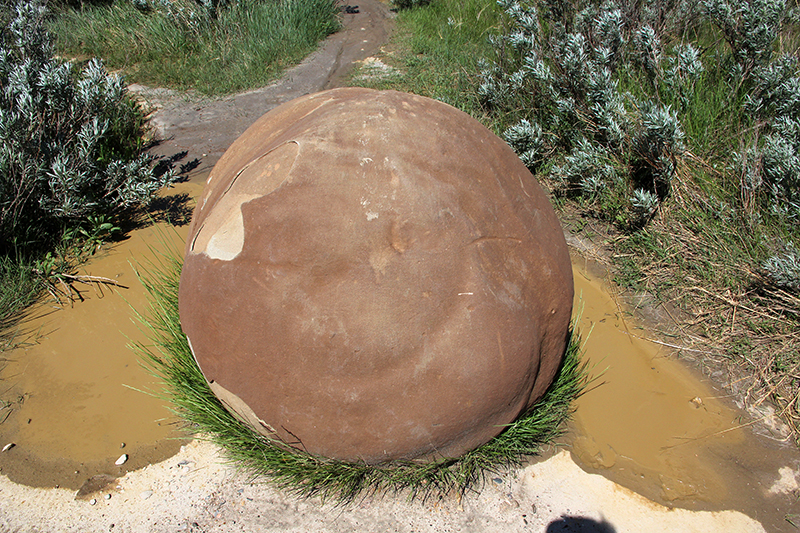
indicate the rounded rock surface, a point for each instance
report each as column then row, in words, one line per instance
column 373, row 275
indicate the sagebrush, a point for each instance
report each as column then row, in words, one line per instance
column 72, row 138
column 677, row 124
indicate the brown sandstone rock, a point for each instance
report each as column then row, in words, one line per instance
column 373, row 276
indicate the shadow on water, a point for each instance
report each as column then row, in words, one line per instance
column 579, row 524
column 175, row 209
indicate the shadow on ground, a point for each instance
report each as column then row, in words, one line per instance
column 579, row 524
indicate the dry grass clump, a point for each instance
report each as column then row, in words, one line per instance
column 727, row 313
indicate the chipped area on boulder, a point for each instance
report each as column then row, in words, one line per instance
column 222, row 233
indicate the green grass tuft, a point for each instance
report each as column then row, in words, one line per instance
column 301, row 473
column 248, row 45
column 20, row 287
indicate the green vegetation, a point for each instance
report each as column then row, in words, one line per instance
column 209, row 47
column 20, row 287
column 72, row 140
column 437, row 50
column 72, row 165
column 675, row 126
column 306, row 474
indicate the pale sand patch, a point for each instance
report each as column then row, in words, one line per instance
column 195, row 491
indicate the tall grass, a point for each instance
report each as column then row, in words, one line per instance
column 20, row 287
column 170, row 357
column 437, row 51
column 248, row 45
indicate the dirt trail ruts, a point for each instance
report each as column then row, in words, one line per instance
column 201, row 129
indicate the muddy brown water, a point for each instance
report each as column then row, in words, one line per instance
column 658, row 427
column 649, row 422
column 86, row 399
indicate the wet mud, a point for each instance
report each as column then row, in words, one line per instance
column 653, row 424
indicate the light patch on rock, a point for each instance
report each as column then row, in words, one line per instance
column 223, row 232
column 239, row 407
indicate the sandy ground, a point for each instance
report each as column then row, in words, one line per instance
column 196, row 491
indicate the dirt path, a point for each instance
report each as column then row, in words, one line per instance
column 200, row 130
column 653, row 427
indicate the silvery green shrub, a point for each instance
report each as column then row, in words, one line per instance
column 749, row 26
column 560, row 65
column 71, row 137
column 784, row 267
column 644, row 204
column 770, row 165
column 557, row 72
column 587, row 170
column 526, row 139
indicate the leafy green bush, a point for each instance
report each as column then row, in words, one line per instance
column 71, row 138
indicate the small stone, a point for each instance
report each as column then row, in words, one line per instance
column 122, row 459
column 508, row 505
column 92, row 501
column 121, row 445
column 497, row 480
column 8, row 446
column 107, row 496
column 146, row 494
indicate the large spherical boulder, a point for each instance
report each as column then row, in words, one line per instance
column 374, row 276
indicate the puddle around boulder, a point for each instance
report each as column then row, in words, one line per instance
column 649, row 423
column 652, row 424
column 84, row 392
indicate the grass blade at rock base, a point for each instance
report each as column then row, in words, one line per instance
column 301, row 473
